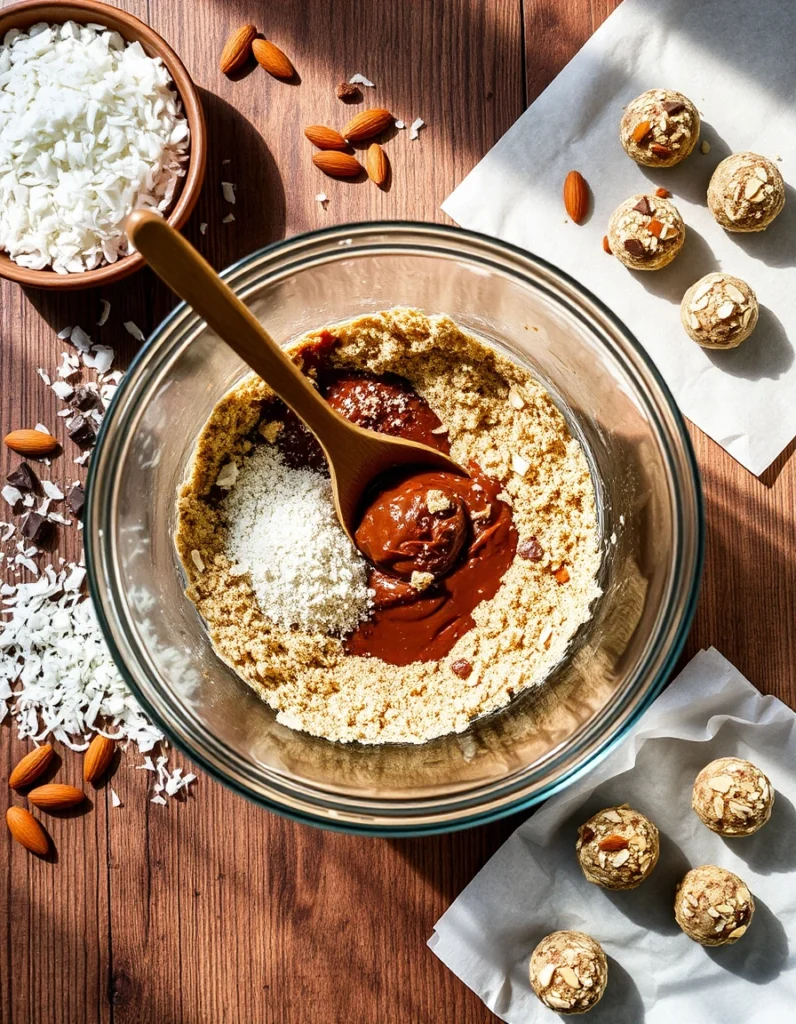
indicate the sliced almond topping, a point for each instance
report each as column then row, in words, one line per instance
column 718, row 807
column 724, row 908
column 736, row 933
column 761, row 173
column 713, row 912
column 745, row 320
column 725, row 310
column 734, row 293
column 569, row 976
column 545, row 976
column 743, row 894
column 720, row 783
column 557, row 1003
column 621, row 858
column 611, row 815
column 692, row 899
column 694, row 322
column 739, row 808
column 700, row 303
column 685, row 911
column 752, row 187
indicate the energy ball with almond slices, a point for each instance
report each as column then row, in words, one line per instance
column 732, row 797
column 569, row 971
column 746, row 192
column 719, row 311
column 646, row 232
column 617, row 848
column 659, row 128
column 713, row 906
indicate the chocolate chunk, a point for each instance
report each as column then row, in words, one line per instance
column 635, row 247
column 643, row 206
column 531, row 550
column 84, row 399
column 24, row 479
column 37, row 528
column 82, row 432
column 462, row 668
column 673, row 106
column 76, row 499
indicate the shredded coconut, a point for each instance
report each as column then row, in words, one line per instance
column 132, row 328
column 104, row 313
column 414, row 128
column 90, row 129
column 282, row 526
column 361, row 80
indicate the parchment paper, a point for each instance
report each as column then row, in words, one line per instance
column 736, row 60
column 656, row 975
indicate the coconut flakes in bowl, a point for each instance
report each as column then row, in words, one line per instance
column 90, row 129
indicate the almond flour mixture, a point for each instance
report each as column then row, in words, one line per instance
column 248, row 548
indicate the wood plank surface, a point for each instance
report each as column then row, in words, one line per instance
column 210, row 909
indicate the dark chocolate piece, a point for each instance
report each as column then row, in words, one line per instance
column 462, row 668
column 531, row 550
column 76, row 499
column 635, row 247
column 673, row 106
column 643, row 206
column 82, row 432
column 37, row 528
column 84, row 399
column 24, row 479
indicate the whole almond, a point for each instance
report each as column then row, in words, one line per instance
column 377, row 165
column 612, row 843
column 30, row 767
column 269, row 56
column 606, row 245
column 56, row 796
column 237, row 49
column 337, row 165
column 27, row 831
column 97, row 758
column 32, row 444
column 576, row 196
column 325, row 138
column 366, row 124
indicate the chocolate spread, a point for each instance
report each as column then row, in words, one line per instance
column 430, row 567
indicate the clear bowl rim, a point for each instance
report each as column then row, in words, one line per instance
column 605, row 744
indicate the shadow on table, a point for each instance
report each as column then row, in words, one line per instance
column 759, row 958
column 767, row 353
column 773, row 849
column 622, row 1002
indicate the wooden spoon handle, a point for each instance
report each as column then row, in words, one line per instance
column 177, row 263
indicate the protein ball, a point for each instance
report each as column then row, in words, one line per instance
column 569, row 971
column 646, row 232
column 617, row 848
column 746, row 192
column 659, row 128
column 719, row 311
column 732, row 797
column 713, row 906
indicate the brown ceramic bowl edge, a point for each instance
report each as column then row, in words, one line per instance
column 29, row 12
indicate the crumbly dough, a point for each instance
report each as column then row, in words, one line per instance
column 719, row 311
column 659, row 128
column 569, row 971
column 733, row 797
column 713, row 906
column 617, row 848
column 494, row 410
column 746, row 192
column 646, row 232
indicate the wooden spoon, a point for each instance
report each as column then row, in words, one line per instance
column 356, row 457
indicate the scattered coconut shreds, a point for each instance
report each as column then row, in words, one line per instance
column 42, row 429
column 361, row 80
column 56, row 517
column 80, row 339
column 104, row 313
column 228, row 219
column 228, row 188
column 11, row 494
column 203, row 228
column 100, row 358
column 322, row 198
column 228, row 475
column 53, row 491
column 414, row 130
column 64, row 333
column 81, row 460
column 64, row 390
column 44, row 375
column 115, row 799
column 134, row 329
column 400, row 124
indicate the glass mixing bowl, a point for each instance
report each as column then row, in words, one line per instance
column 648, row 495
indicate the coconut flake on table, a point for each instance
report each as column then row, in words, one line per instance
column 115, row 800
column 64, row 333
column 132, row 328
column 105, row 313
column 12, row 495
column 322, row 198
column 53, row 491
column 42, row 429
column 44, row 375
column 63, row 389
column 79, row 339
column 361, row 80
column 400, row 124
column 74, row 162
column 228, row 190
column 203, row 227
column 228, row 219
column 414, row 130
column 100, row 358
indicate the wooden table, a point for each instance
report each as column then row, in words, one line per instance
column 212, row 910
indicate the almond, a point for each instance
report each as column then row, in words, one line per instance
column 27, row 831
column 366, row 124
column 662, row 152
column 606, row 245
column 32, row 444
column 613, row 843
column 237, row 49
column 30, row 767
column 562, row 575
column 655, row 227
column 97, row 758
column 56, row 796
column 378, row 167
column 269, row 56
column 337, row 165
column 325, row 138
column 576, row 196
column 641, row 131
column 663, row 193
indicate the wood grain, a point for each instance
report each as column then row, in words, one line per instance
column 210, row 909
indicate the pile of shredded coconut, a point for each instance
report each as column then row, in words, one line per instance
column 284, row 532
column 90, row 129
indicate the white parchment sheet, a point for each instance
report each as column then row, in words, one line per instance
column 736, row 59
column 656, row 975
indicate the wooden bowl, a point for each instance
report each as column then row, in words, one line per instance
column 28, row 13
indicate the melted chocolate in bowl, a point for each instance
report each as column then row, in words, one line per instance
column 467, row 546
